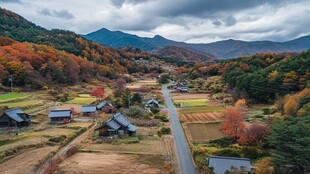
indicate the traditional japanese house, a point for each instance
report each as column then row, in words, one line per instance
column 60, row 116
column 14, row 118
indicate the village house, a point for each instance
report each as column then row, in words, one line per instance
column 221, row 164
column 60, row 116
column 151, row 103
column 117, row 125
column 14, row 118
column 89, row 110
column 105, row 106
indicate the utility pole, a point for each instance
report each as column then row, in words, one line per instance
column 11, row 80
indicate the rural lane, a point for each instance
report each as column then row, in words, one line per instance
column 185, row 158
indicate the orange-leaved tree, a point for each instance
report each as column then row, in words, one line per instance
column 233, row 125
column 98, row 93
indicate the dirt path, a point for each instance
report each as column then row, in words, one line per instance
column 62, row 151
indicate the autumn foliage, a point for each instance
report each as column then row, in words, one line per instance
column 254, row 135
column 233, row 125
column 98, row 93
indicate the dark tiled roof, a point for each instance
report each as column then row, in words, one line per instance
column 132, row 128
column 152, row 101
column 120, row 119
column 113, row 124
column 59, row 113
column 220, row 164
column 15, row 114
column 103, row 103
column 89, row 109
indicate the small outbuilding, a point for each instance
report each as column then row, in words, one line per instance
column 152, row 102
column 88, row 110
column 222, row 165
column 60, row 116
column 105, row 107
column 14, row 118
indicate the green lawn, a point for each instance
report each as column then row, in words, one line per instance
column 193, row 102
column 22, row 103
column 11, row 96
column 202, row 109
column 81, row 101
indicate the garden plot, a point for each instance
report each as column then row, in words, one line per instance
column 192, row 102
column 186, row 96
column 203, row 132
column 203, row 117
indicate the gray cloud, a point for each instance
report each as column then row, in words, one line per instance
column 11, row 1
column 182, row 20
column 65, row 14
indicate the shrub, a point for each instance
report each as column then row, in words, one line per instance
column 154, row 110
column 57, row 139
column 229, row 152
column 223, row 142
column 73, row 150
column 45, row 88
column 164, row 130
column 161, row 117
column 259, row 116
column 250, row 152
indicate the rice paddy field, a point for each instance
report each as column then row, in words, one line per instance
column 12, row 96
column 192, row 102
column 22, row 103
column 203, row 109
column 203, row 132
column 82, row 100
column 202, row 117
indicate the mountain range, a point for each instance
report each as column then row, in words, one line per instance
column 221, row 49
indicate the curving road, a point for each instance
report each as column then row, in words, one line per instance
column 185, row 158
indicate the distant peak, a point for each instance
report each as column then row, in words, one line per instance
column 158, row 37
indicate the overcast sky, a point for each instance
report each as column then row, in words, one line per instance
column 195, row 21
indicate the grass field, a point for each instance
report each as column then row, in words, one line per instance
column 82, row 100
column 11, row 96
column 192, row 102
column 144, row 146
column 202, row 109
column 203, row 132
column 21, row 103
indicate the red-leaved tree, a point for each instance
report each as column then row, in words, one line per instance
column 98, row 93
column 233, row 124
column 254, row 135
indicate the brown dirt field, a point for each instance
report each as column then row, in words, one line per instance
column 202, row 132
column 93, row 163
column 181, row 96
column 76, row 107
column 147, row 130
column 26, row 162
column 140, row 83
column 143, row 147
column 203, row 117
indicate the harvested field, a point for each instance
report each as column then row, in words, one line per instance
column 29, row 141
column 202, row 109
column 203, row 117
column 22, row 103
column 93, row 163
column 79, row 124
column 76, row 107
column 202, row 132
column 26, row 162
column 147, row 130
column 141, row 83
column 143, row 147
column 54, row 132
column 186, row 96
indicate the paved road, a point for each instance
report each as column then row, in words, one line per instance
column 185, row 159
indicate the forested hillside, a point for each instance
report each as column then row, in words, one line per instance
column 19, row 29
column 262, row 76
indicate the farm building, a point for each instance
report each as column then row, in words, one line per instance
column 117, row 125
column 14, row 117
column 221, row 164
column 105, row 106
column 89, row 110
column 182, row 89
column 151, row 103
column 60, row 116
